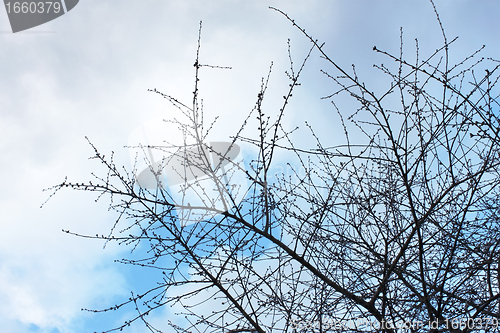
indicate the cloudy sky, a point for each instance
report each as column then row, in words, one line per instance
column 87, row 74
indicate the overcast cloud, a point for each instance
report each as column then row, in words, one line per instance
column 87, row 74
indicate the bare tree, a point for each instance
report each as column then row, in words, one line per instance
column 397, row 227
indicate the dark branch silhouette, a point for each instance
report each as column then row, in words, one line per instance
column 398, row 224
